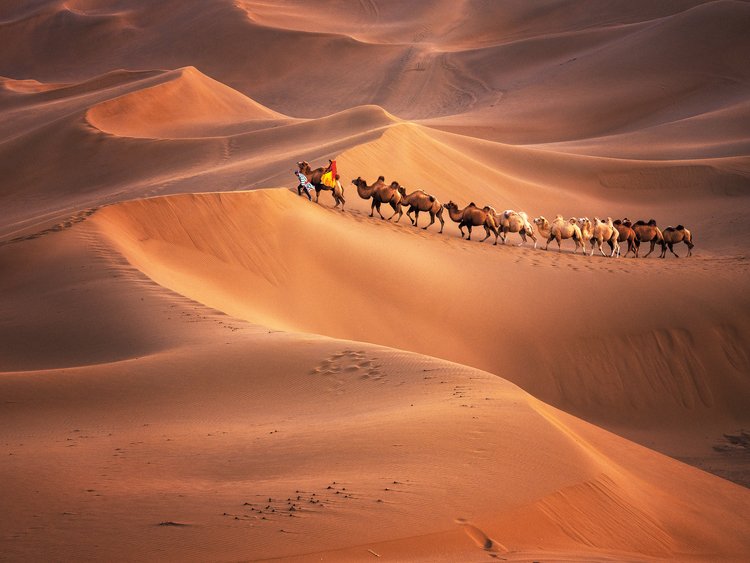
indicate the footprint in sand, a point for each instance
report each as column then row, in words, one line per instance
column 349, row 364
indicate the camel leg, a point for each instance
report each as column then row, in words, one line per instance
column 671, row 249
column 653, row 244
column 690, row 246
column 487, row 234
column 408, row 214
column 432, row 220
column 442, row 224
column 396, row 210
column 549, row 240
column 523, row 237
column 468, row 227
column 602, row 250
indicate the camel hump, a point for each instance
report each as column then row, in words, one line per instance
column 680, row 228
column 652, row 223
column 381, row 178
column 640, row 222
column 432, row 198
column 472, row 204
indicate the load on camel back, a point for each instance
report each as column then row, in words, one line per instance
column 324, row 179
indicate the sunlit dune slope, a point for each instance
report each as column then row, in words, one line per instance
column 214, row 417
column 275, row 259
column 187, row 105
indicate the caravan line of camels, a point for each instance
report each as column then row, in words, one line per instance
column 597, row 231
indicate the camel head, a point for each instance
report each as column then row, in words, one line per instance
column 401, row 190
column 450, row 205
column 302, row 164
column 358, row 181
column 541, row 222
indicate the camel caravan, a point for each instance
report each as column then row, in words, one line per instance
column 616, row 234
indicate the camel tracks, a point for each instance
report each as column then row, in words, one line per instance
column 347, row 366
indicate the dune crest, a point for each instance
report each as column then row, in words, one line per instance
column 182, row 106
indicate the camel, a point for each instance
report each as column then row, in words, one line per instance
column 626, row 233
column 380, row 193
column 674, row 235
column 559, row 230
column 605, row 231
column 510, row 221
column 647, row 232
column 587, row 231
column 313, row 176
column 420, row 200
column 338, row 193
column 472, row 216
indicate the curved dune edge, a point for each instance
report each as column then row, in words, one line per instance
column 242, row 252
column 180, row 107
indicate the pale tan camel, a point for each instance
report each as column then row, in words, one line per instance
column 380, row 193
column 626, row 234
column 559, row 230
column 647, row 232
column 472, row 216
column 587, row 231
column 420, row 200
column 510, row 221
column 674, row 235
column 338, row 193
column 605, row 231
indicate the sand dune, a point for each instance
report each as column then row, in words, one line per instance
column 182, row 107
column 198, row 364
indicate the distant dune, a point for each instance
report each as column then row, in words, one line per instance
column 198, row 364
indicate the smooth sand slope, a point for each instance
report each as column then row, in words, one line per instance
column 197, row 364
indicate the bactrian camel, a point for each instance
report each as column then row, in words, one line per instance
column 510, row 221
column 380, row 193
column 559, row 230
column 605, row 231
column 472, row 216
column 647, row 232
column 626, row 234
column 420, row 200
column 674, row 235
column 314, row 177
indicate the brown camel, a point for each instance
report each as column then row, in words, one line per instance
column 313, row 176
column 626, row 233
column 380, row 193
column 559, row 230
column 674, row 235
column 647, row 232
column 420, row 200
column 472, row 216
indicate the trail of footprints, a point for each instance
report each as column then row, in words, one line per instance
column 349, row 365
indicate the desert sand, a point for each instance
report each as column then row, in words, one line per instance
column 197, row 364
